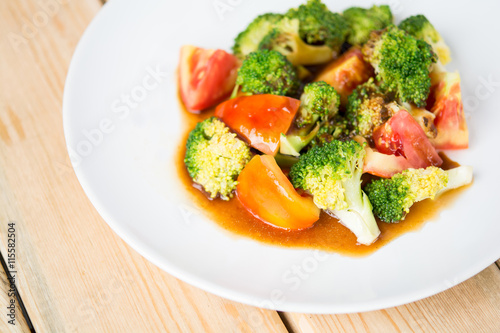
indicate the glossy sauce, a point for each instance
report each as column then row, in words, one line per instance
column 326, row 234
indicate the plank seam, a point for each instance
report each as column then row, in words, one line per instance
column 285, row 321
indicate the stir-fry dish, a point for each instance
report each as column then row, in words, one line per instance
column 316, row 110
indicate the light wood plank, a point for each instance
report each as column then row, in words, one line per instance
column 472, row 306
column 75, row 274
column 15, row 323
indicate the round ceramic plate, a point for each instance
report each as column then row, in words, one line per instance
column 123, row 126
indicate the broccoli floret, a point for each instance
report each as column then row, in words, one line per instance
column 308, row 35
column 267, row 72
column 332, row 174
column 334, row 129
column 366, row 109
column 363, row 21
column 392, row 198
column 249, row 40
column 319, row 26
column 402, row 63
column 319, row 101
column 285, row 39
column 419, row 27
column 215, row 157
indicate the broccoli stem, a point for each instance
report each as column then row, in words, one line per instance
column 294, row 142
column 235, row 91
column 359, row 216
column 285, row 161
column 457, row 177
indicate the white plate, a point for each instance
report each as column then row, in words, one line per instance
column 123, row 156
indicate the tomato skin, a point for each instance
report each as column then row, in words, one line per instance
column 206, row 77
column 382, row 165
column 267, row 194
column 260, row 119
column 401, row 135
column 452, row 131
column 347, row 72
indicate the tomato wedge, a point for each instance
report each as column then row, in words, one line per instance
column 206, row 77
column 401, row 135
column 452, row 131
column 267, row 194
column 260, row 119
column 346, row 73
column 382, row 165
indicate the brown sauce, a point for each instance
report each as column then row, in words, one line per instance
column 326, row 234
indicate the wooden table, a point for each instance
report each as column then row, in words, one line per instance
column 75, row 275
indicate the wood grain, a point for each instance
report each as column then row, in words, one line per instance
column 472, row 306
column 75, row 274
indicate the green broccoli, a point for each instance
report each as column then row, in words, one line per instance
column 319, row 101
column 419, row 27
column 285, row 39
column 366, row 109
column 267, row 72
column 334, row 129
column 392, row 198
column 215, row 157
column 295, row 141
column 249, row 40
column 363, row 21
column 298, row 138
column 332, row 174
column 402, row 64
column 285, row 161
column 308, row 35
column 319, row 26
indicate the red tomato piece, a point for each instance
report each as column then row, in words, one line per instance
column 347, row 72
column 260, row 119
column 206, row 77
column 452, row 131
column 267, row 194
column 382, row 165
column 401, row 135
